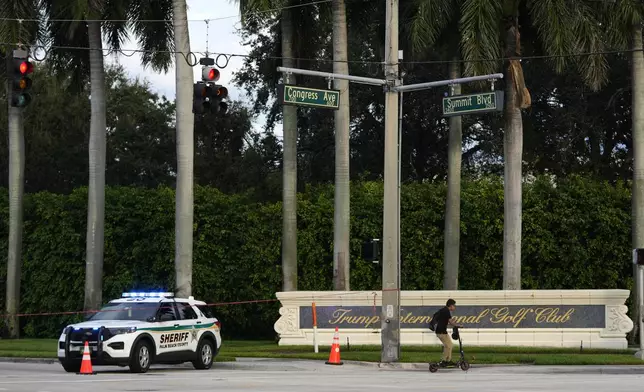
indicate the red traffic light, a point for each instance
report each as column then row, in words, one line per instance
column 26, row 67
column 210, row 74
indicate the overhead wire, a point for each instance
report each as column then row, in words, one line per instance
column 248, row 13
column 228, row 56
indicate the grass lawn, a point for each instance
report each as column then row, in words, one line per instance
column 46, row 348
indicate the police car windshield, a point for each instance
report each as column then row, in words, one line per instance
column 139, row 311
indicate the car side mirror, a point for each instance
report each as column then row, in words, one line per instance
column 151, row 319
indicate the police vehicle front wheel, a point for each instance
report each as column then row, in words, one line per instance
column 204, row 355
column 71, row 366
column 141, row 357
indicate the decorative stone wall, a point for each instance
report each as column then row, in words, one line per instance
column 540, row 318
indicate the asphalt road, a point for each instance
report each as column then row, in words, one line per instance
column 305, row 376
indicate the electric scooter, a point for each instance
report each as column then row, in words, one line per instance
column 462, row 362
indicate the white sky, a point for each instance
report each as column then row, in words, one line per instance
column 223, row 38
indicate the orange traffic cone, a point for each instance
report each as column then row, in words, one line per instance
column 334, row 356
column 86, row 364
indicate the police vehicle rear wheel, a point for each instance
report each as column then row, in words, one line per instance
column 204, row 355
column 141, row 357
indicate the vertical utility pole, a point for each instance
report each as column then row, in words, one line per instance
column 390, row 317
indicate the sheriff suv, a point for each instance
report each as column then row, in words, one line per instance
column 141, row 329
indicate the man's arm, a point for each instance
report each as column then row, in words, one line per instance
column 453, row 323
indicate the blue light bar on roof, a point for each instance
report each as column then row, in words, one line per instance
column 138, row 294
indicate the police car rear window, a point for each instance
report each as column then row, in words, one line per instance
column 206, row 311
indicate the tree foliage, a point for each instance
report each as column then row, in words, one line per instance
column 141, row 150
column 577, row 237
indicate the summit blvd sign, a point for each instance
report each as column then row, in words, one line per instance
column 458, row 105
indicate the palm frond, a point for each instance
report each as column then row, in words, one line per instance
column 66, row 33
column 429, row 18
column 589, row 37
column 480, row 28
column 14, row 31
column 155, row 38
column 115, row 25
column 249, row 8
column 553, row 20
column 618, row 18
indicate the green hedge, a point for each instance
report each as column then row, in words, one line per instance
column 576, row 236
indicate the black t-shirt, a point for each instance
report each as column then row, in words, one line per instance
column 442, row 318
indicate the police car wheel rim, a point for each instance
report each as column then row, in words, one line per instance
column 144, row 356
column 206, row 354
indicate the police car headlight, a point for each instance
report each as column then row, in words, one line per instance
column 119, row 331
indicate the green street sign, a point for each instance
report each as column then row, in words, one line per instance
column 458, row 105
column 311, row 97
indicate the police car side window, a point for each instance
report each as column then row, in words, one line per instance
column 185, row 311
column 166, row 312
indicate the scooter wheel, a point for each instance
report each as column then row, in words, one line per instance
column 433, row 368
column 465, row 366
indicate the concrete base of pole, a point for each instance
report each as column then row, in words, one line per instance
column 640, row 355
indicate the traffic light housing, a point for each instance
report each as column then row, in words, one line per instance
column 638, row 256
column 220, row 92
column 20, row 82
column 201, row 98
column 371, row 250
column 208, row 96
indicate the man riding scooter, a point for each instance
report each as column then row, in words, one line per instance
column 443, row 318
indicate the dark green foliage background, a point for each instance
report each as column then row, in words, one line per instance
column 576, row 235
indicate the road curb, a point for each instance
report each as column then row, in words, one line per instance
column 27, row 360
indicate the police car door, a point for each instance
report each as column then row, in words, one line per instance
column 189, row 322
column 168, row 335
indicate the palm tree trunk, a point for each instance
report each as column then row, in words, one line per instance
column 512, row 150
column 96, row 192
column 289, row 187
column 342, row 197
column 638, row 155
column 16, row 192
column 185, row 155
column 453, row 204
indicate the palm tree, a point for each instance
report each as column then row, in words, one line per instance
column 491, row 30
column 342, row 198
column 624, row 29
column 185, row 154
column 112, row 17
column 424, row 35
column 25, row 32
column 453, row 203
column 289, row 126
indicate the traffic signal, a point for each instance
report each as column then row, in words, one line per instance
column 371, row 250
column 220, row 92
column 208, row 96
column 20, row 82
column 210, row 74
column 201, row 97
column 638, row 256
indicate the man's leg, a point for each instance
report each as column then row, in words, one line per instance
column 447, row 346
